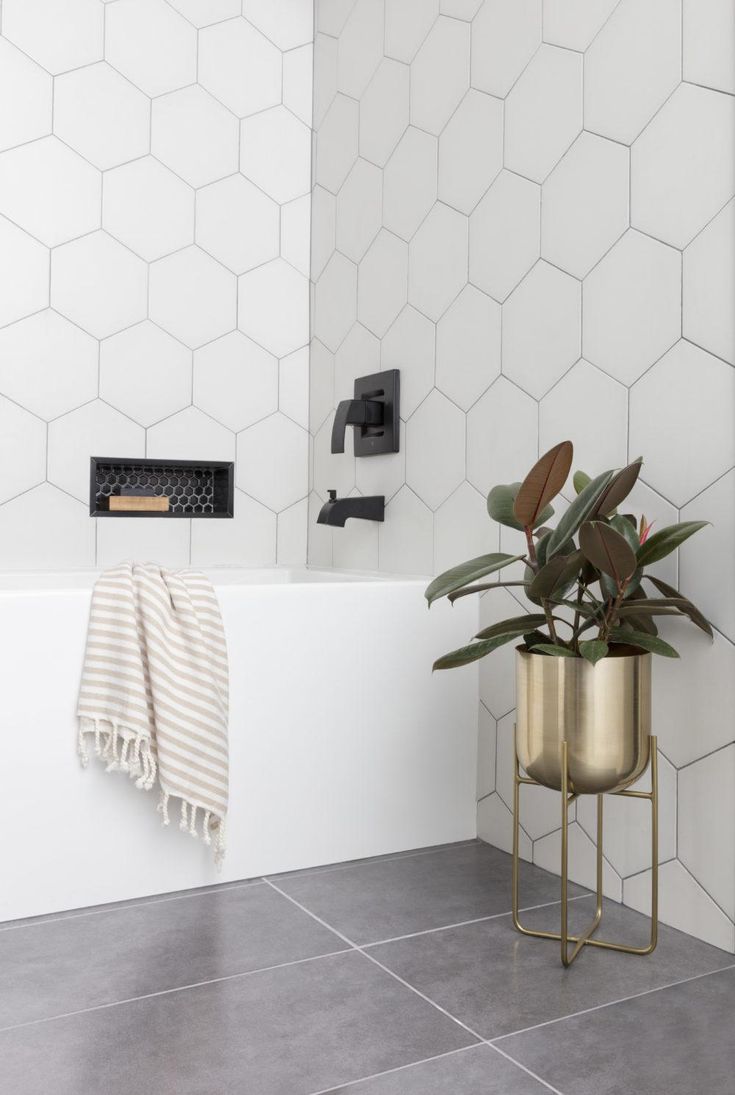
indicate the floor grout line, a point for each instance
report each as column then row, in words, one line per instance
column 398, row 1068
column 524, row 1068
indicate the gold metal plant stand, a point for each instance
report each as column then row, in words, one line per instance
column 568, row 796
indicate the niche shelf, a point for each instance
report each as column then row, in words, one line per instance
column 194, row 488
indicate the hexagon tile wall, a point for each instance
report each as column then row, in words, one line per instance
column 154, row 261
column 527, row 207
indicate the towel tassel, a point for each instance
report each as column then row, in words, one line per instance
column 193, row 823
column 205, row 828
column 183, row 823
column 163, row 807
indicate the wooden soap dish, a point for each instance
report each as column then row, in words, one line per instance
column 138, row 503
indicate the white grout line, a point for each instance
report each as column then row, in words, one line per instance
column 177, row 988
column 392, row 1071
column 534, row 1075
column 610, row 1003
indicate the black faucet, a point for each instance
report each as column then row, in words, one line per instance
column 336, row 511
column 355, row 412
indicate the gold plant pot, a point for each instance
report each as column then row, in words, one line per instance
column 602, row 711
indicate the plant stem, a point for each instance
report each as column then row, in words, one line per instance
column 550, row 620
column 532, row 557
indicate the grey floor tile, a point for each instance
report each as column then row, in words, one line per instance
column 78, row 962
column 382, row 899
column 287, row 1031
column 497, row 981
column 476, row 1071
column 676, row 1041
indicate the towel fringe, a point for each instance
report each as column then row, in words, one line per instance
column 183, row 823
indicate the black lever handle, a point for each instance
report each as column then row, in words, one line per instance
column 354, row 412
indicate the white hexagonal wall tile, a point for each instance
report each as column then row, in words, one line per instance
column 384, row 111
column 147, row 41
column 98, row 284
column 298, row 80
column 23, row 274
column 462, row 529
column 321, row 383
column 585, row 204
column 24, row 525
column 682, row 903
column 541, row 328
column 237, row 223
column 292, row 526
column 632, row 306
column 410, row 182
column 710, row 585
column 683, row 165
column 382, row 282
column 275, row 152
column 709, row 44
column 497, row 672
column 643, row 39
column 202, row 13
column 383, row 474
column 409, row 345
column 331, row 16
column 467, row 165
column 582, row 861
column 47, row 364
column 501, row 436
column 320, row 538
column 22, row 450
column 360, row 48
column 505, row 36
column 148, row 208
column 168, row 542
column 495, row 825
column 407, row 22
column 433, row 469
column 359, row 206
column 543, row 112
column 694, row 394
column 332, row 471
column 406, row 537
column 356, row 548
column 486, row 746
column 145, row 373
column 288, row 23
column 504, row 234
column 468, row 347
column 440, row 74
column 539, row 805
column 325, row 77
column 706, row 834
column 600, row 440
column 30, row 89
column 190, row 435
column 240, row 67
column 337, row 143
column 460, row 9
column 101, row 115
column 272, row 461
column 50, row 191
column 335, row 301
column 574, row 23
column 646, row 502
column 358, row 355
column 235, row 381
column 59, row 36
column 323, row 229
column 194, row 135
column 249, row 539
column 438, row 261
column 709, row 287
column 293, row 386
column 192, row 297
column 296, row 233
column 273, row 307
column 92, row 430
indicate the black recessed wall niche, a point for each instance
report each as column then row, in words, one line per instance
column 194, row 488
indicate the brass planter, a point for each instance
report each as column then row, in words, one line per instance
column 602, row 711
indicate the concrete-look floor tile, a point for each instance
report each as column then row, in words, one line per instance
column 475, row 1071
column 498, row 982
column 382, row 900
column 678, row 1041
column 72, row 963
column 288, row 1031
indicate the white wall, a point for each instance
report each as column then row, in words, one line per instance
column 154, row 225
column 527, row 208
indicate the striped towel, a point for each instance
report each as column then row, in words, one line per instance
column 154, row 690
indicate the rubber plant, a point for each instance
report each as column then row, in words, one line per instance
column 586, row 577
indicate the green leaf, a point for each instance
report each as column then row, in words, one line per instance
column 468, row 590
column 585, row 610
column 473, row 652
column 593, row 650
column 665, row 541
column 619, row 488
column 607, row 550
column 544, row 481
column 465, row 573
column 555, row 649
column 519, row 624
column 645, row 642
column 579, row 510
column 580, row 480
column 627, row 531
column 534, row 638
column 501, row 502
column 686, row 605
column 558, row 573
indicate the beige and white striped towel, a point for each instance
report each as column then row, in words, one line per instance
column 154, row 689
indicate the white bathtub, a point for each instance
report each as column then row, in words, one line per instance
column 342, row 742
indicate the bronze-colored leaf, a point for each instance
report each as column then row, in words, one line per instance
column 543, row 482
column 619, row 487
column 546, row 580
column 607, row 550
